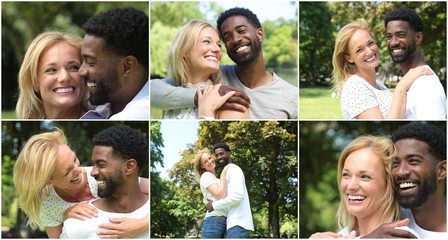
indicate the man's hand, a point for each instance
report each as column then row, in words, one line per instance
column 210, row 205
column 388, row 230
column 238, row 102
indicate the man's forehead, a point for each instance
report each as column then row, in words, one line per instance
column 407, row 145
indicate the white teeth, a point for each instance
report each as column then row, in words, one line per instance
column 64, row 90
column 356, row 197
column 371, row 59
column 407, row 185
column 76, row 179
column 91, row 84
column 397, row 50
column 241, row 48
column 101, row 183
column 213, row 58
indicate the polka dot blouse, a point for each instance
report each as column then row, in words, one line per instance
column 358, row 95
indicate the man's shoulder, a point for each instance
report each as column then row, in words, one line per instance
column 282, row 81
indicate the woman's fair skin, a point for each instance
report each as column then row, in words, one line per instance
column 363, row 184
column 207, row 163
column 60, row 86
column 363, row 52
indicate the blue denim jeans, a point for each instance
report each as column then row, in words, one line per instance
column 237, row 232
column 213, row 227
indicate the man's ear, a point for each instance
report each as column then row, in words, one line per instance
column 260, row 34
column 129, row 64
column 130, row 166
column 441, row 170
column 419, row 38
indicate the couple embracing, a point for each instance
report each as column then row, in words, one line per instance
column 227, row 200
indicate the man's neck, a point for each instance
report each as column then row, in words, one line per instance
column 413, row 62
column 254, row 75
column 128, row 90
column 431, row 215
column 126, row 199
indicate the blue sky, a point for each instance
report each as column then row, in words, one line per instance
column 176, row 135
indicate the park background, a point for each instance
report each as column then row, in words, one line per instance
column 320, row 144
column 23, row 21
column 278, row 20
column 14, row 136
column 319, row 23
column 266, row 151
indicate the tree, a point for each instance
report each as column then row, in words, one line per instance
column 316, row 34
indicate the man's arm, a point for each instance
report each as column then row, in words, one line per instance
column 165, row 95
column 235, row 194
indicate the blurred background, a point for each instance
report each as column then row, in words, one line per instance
column 278, row 19
column 23, row 21
column 266, row 151
column 14, row 136
column 319, row 23
column 320, row 145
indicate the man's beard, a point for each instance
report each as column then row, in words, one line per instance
column 426, row 188
column 112, row 184
column 406, row 56
column 223, row 162
column 248, row 58
column 101, row 95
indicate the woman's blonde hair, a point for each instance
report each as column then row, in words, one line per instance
column 198, row 169
column 29, row 104
column 33, row 170
column 384, row 149
column 178, row 54
column 342, row 69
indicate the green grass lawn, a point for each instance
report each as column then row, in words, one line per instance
column 317, row 103
column 8, row 114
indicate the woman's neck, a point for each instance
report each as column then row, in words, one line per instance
column 74, row 112
column 368, row 75
column 76, row 195
column 369, row 223
column 197, row 78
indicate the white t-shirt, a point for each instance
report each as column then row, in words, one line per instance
column 237, row 200
column 53, row 207
column 425, row 234
column 426, row 99
column 345, row 231
column 358, row 95
column 75, row 228
column 206, row 180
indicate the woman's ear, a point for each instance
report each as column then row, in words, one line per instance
column 349, row 59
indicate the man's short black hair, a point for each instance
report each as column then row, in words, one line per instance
column 237, row 11
column 221, row 145
column 425, row 132
column 126, row 142
column 125, row 31
column 405, row 14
